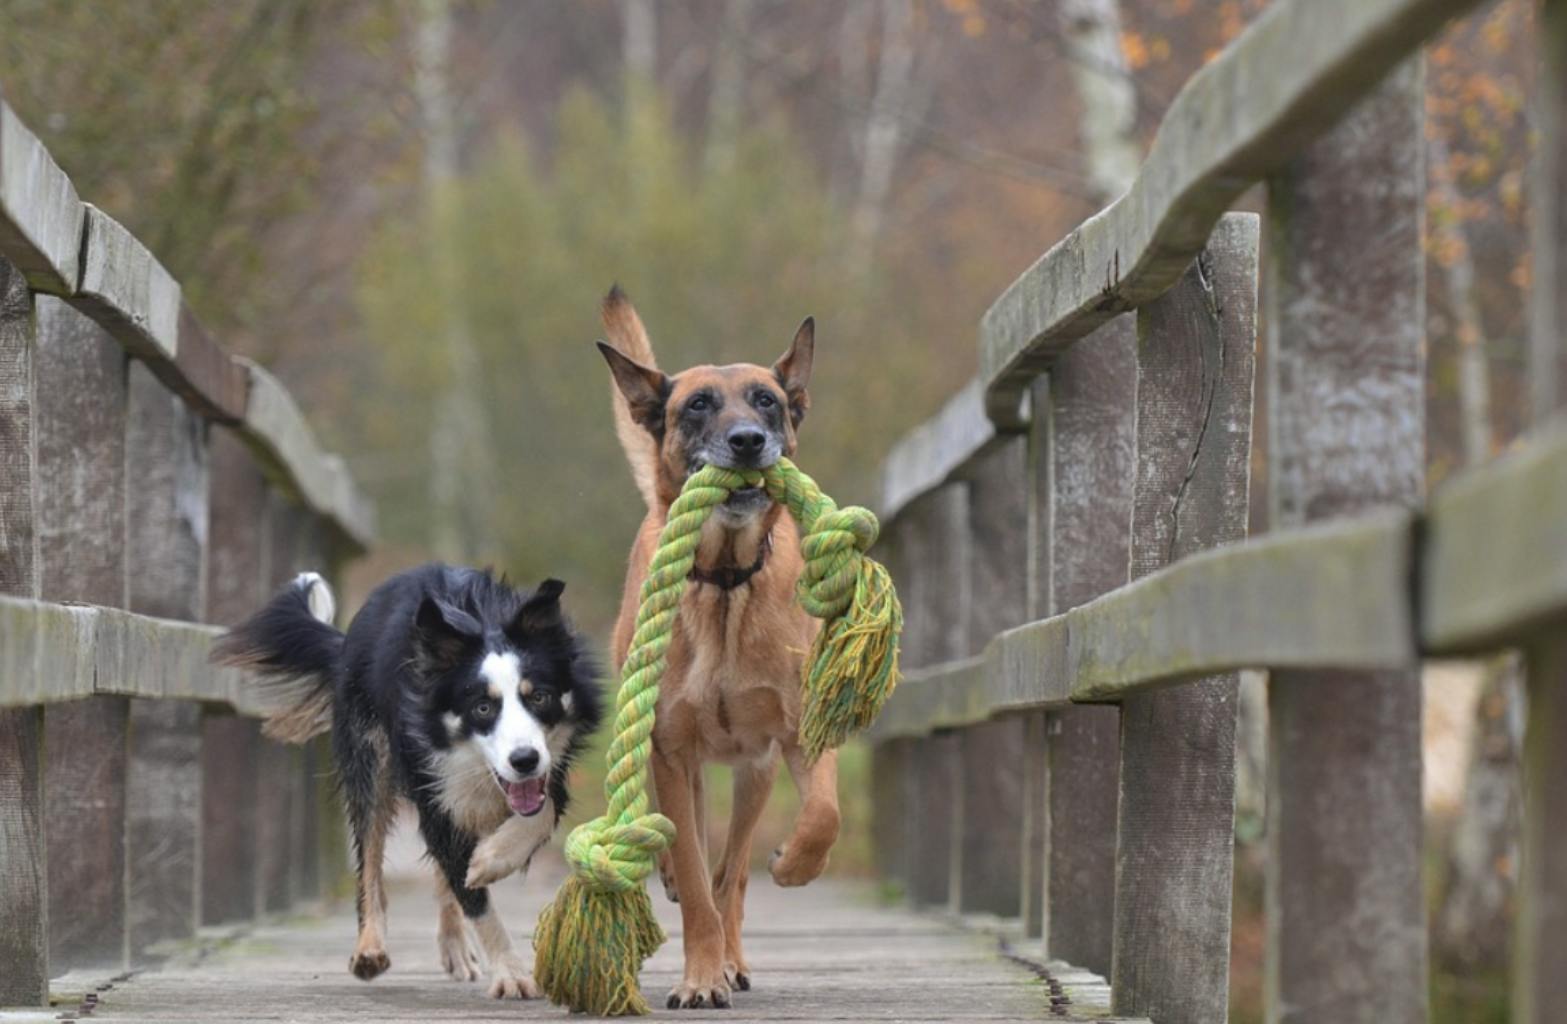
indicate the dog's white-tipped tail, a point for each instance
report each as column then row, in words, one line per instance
column 318, row 596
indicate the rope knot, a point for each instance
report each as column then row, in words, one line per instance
column 619, row 856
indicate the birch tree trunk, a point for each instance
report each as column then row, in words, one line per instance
column 883, row 128
column 726, row 96
column 1107, row 124
column 461, row 451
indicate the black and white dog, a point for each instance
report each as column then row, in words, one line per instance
column 456, row 691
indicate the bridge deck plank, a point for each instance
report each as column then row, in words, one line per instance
column 826, row 952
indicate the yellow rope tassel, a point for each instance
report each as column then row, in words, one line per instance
column 592, row 940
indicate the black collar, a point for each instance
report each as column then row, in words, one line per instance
column 729, row 577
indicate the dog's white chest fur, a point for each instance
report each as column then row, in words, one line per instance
column 466, row 790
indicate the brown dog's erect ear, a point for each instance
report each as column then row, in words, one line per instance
column 793, row 369
column 645, row 389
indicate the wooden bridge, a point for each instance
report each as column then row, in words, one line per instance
column 1069, row 535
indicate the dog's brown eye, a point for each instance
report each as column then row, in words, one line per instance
column 538, row 698
column 764, row 400
column 483, row 709
column 701, row 403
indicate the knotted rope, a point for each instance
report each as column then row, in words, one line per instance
column 591, row 941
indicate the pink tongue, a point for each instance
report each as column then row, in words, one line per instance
column 525, row 797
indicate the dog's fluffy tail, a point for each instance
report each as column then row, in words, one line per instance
column 623, row 329
column 295, row 650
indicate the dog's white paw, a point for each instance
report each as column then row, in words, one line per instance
column 486, row 867
column 512, row 980
column 458, row 957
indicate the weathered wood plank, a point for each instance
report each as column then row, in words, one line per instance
column 1176, row 818
column 229, row 761
column 937, row 535
column 238, row 567
column 40, row 214
column 1090, row 471
column 939, row 450
column 79, row 495
column 1539, row 984
column 79, row 429
column 1033, row 906
column 24, row 881
column 24, row 888
column 1289, row 77
column 989, row 831
column 126, row 289
column 1328, row 596
column 1539, row 988
column 18, row 536
column 1346, row 324
column 54, row 653
column 278, row 432
column 1548, row 221
column 1493, row 565
column 166, row 523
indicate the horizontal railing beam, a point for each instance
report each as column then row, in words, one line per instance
column 57, row 652
column 1483, row 567
column 940, row 449
column 1286, row 79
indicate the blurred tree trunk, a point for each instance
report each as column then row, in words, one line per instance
column 461, row 452
column 639, row 39
column 883, row 128
column 726, row 96
column 1107, row 102
column 1474, row 921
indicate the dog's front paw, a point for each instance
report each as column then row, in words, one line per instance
column 486, row 867
column 795, row 864
column 369, row 963
column 700, row 989
column 511, row 980
column 458, row 958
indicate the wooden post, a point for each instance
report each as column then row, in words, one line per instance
column 238, row 537
column 166, row 524
column 1176, row 824
column 24, row 877
column 1346, row 322
column 1085, row 458
column 79, row 495
column 1540, row 936
column 281, row 801
column 892, row 841
column 935, row 631
column 990, row 830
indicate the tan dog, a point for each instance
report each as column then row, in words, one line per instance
column 731, row 692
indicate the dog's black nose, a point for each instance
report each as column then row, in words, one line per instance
column 524, row 760
column 746, row 442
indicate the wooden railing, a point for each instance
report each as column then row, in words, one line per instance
column 152, row 488
column 1068, row 534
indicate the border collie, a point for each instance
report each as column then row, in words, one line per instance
column 456, row 691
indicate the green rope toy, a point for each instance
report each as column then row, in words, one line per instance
column 591, row 941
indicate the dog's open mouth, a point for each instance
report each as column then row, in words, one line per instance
column 745, row 498
column 526, row 797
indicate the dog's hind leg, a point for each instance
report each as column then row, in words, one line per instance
column 753, row 785
column 367, row 790
column 803, row 856
column 452, row 849
column 458, row 957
